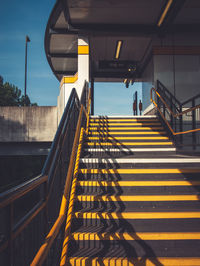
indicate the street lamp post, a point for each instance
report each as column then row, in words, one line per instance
column 27, row 40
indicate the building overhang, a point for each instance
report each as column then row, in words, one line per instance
column 137, row 23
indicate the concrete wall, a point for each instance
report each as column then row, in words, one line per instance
column 147, row 84
column 179, row 73
column 61, row 103
column 28, row 124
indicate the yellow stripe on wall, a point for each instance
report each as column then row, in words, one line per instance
column 69, row 79
column 83, row 49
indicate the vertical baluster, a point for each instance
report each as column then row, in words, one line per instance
column 158, row 103
column 172, row 109
column 164, row 113
column 11, row 220
column 181, row 124
column 46, row 227
column 193, row 125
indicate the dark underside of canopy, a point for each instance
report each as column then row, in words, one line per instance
column 105, row 22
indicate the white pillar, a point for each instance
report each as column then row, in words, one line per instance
column 83, row 63
column 78, row 80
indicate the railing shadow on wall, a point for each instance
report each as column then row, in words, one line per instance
column 182, row 120
column 29, row 210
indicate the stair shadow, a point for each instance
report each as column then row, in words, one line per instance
column 125, row 248
column 191, row 178
column 110, row 224
column 106, row 137
column 116, row 147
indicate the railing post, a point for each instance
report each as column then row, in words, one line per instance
column 46, row 224
column 181, row 124
column 164, row 110
column 193, row 125
column 172, row 108
column 11, row 218
column 158, row 101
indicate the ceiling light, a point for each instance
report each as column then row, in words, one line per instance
column 164, row 13
column 118, row 49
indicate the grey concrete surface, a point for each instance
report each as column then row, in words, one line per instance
column 28, row 124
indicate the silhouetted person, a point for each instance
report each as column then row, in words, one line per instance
column 140, row 107
column 134, row 107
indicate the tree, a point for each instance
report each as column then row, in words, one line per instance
column 10, row 95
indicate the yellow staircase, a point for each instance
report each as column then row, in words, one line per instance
column 137, row 200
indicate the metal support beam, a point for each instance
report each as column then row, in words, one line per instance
column 131, row 30
column 63, row 55
column 66, row 11
column 66, row 73
column 103, row 74
column 63, row 31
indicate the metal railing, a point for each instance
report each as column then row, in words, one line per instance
column 181, row 119
column 64, row 218
column 30, row 210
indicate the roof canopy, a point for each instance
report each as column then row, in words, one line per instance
column 129, row 26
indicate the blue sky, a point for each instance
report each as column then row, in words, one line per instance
column 119, row 100
column 20, row 18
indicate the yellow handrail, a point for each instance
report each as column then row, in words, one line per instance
column 71, row 203
column 71, row 165
column 172, row 113
column 44, row 249
column 88, row 112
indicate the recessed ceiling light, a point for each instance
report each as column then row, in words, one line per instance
column 164, row 13
column 118, row 49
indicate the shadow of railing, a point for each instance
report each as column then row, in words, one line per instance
column 109, row 225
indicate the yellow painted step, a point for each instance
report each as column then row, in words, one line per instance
column 104, row 133
column 137, row 236
column 124, row 124
column 138, row 215
column 129, row 143
column 125, row 138
column 137, row 183
column 138, row 198
column 124, row 128
column 140, row 171
column 123, row 119
column 121, row 261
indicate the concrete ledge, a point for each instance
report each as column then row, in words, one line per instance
column 27, row 124
column 150, row 110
